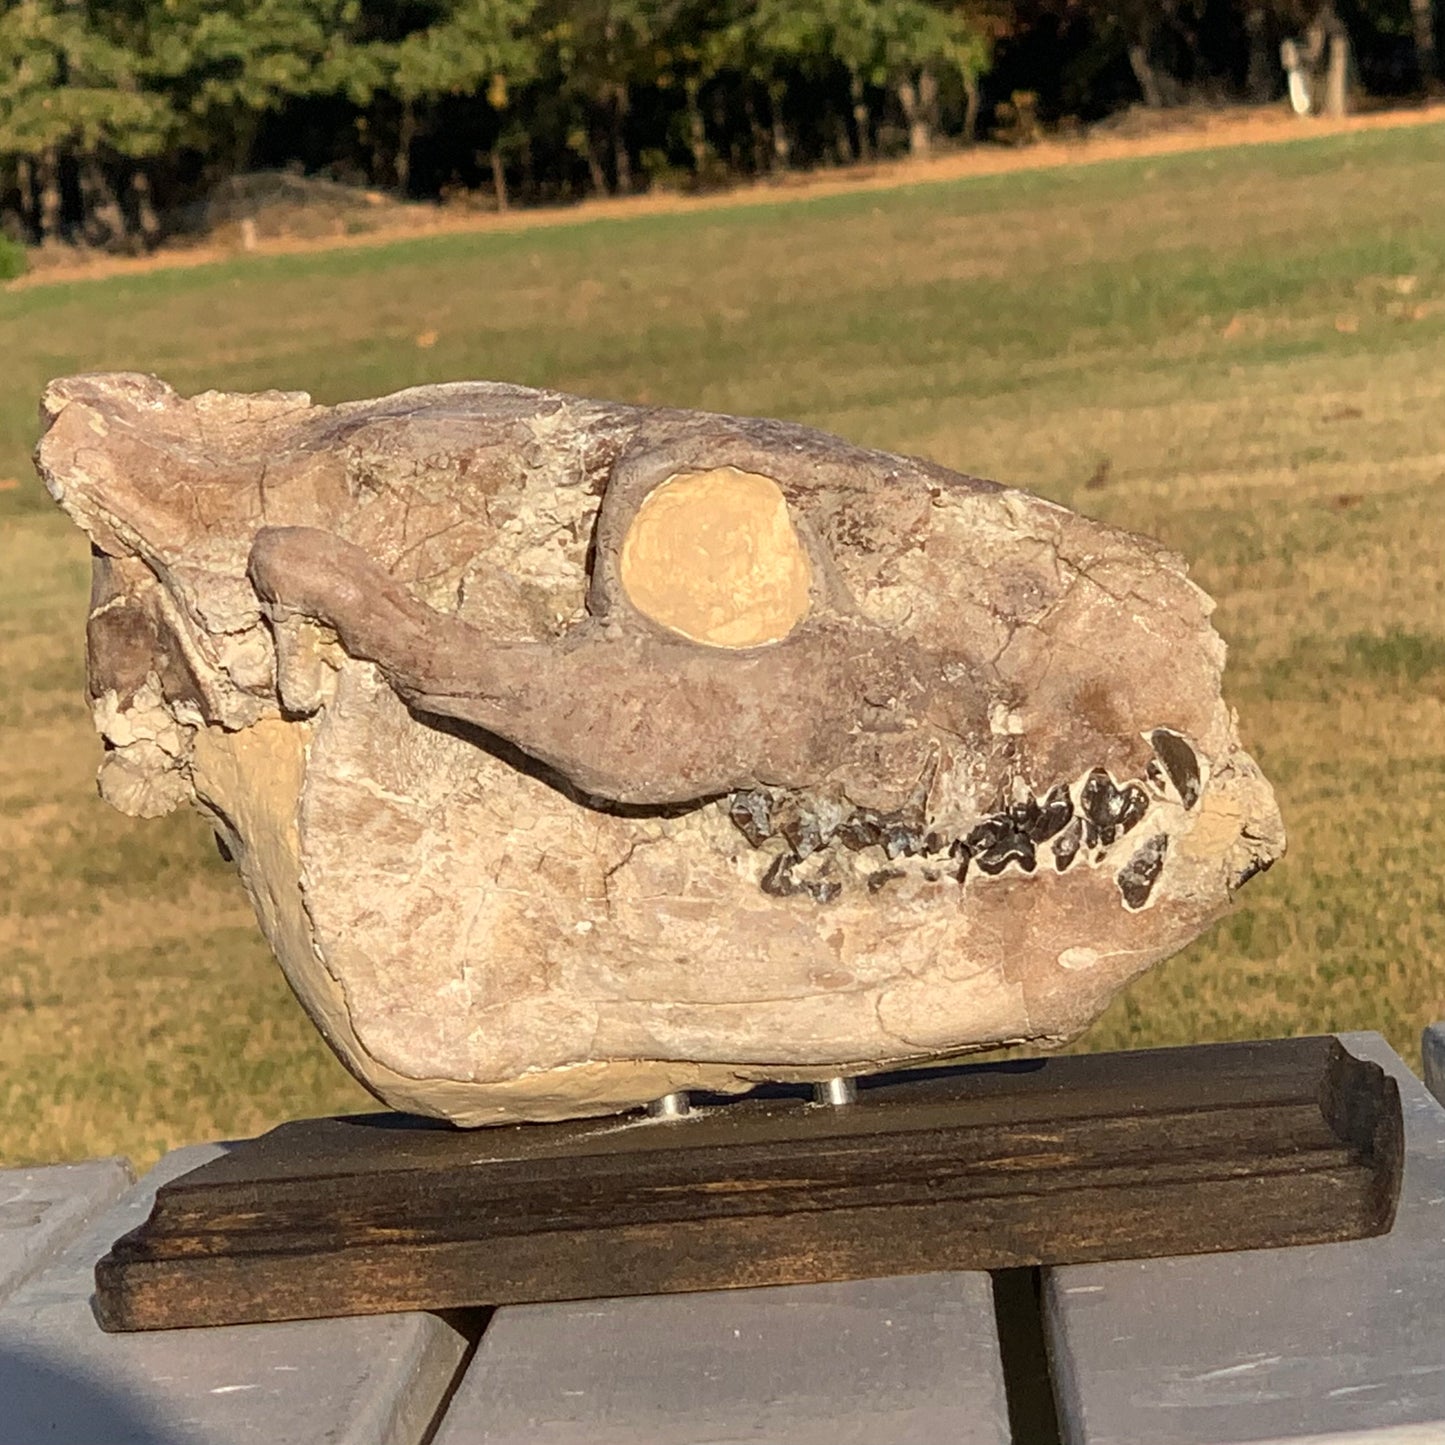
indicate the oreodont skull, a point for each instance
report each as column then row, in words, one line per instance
column 574, row 752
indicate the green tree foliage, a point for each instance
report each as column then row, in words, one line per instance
column 897, row 46
column 469, row 47
column 72, row 89
column 107, row 104
column 71, row 79
column 900, row 45
column 222, row 62
column 483, row 49
column 599, row 52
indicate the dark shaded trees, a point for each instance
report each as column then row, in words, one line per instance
column 74, row 110
column 111, row 109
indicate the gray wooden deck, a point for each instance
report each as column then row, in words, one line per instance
column 1336, row 1342
column 1343, row 1341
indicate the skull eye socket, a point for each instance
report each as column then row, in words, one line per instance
column 715, row 557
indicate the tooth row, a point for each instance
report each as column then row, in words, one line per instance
column 1064, row 821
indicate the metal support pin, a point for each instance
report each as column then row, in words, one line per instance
column 837, row 1092
column 670, row 1106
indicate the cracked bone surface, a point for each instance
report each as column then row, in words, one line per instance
column 574, row 754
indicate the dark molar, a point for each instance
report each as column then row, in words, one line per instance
column 805, row 834
column 1052, row 815
column 752, row 815
column 1138, row 876
column 778, row 882
column 1023, row 816
column 1252, row 869
column 1108, row 810
column 1180, row 762
column 1136, row 804
column 997, row 842
column 901, row 840
column 1066, row 845
column 861, row 830
column 1096, row 800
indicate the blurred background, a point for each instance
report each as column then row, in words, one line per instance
column 126, row 122
column 1118, row 254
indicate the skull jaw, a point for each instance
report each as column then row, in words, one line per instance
column 785, row 990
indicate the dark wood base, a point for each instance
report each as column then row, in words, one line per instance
column 1043, row 1161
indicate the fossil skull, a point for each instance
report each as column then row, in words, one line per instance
column 574, row 752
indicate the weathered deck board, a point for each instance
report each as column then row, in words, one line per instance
column 63, row 1381
column 43, row 1209
column 1432, row 1054
column 1337, row 1340
column 878, row 1362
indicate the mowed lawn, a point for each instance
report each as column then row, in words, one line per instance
column 1242, row 352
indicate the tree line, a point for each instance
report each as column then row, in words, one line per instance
column 114, row 113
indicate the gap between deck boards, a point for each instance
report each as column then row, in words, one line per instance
column 471, row 1325
column 1024, row 1356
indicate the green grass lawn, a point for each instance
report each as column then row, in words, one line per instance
column 1242, row 352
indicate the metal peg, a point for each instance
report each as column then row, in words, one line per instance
column 837, row 1092
column 670, row 1106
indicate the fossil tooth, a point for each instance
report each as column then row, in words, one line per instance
column 752, row 815
column 1180, row 762
column 999, row 841
column 1139, row 875
column 1052, row 815
column 1134, row 803
column 1066, row 846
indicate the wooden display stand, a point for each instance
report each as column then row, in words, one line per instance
column 1036, row 1162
